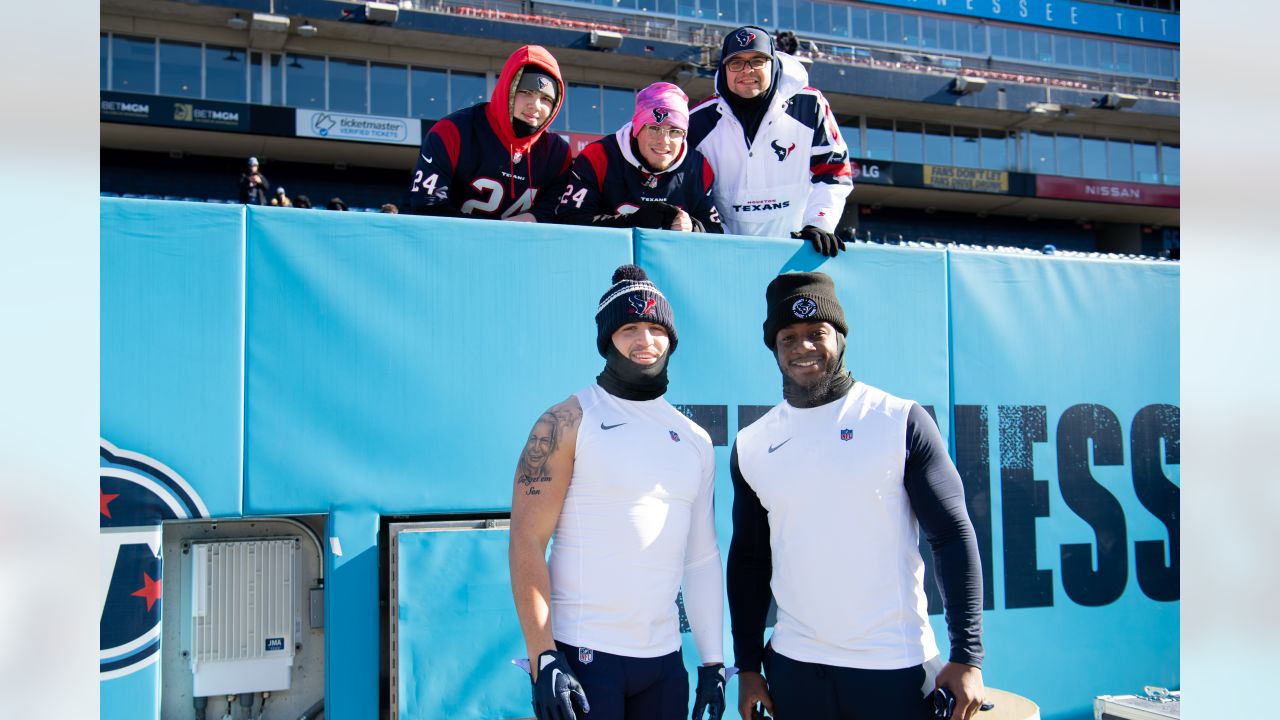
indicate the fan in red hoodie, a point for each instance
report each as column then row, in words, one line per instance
column 495, row 159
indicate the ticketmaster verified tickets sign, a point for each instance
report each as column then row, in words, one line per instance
column 360, row 128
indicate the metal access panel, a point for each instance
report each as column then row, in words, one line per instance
column 453, row 626
column 244, row 615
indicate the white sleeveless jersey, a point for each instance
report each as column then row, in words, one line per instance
column 638, row 512
column 847, row 571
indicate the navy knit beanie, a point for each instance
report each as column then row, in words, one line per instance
column 632, row 298
column 801, row 297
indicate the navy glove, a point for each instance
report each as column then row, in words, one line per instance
column 823, row 242
column 556, row 690
column 941, row 703
column 710, row 694
column 654, row 215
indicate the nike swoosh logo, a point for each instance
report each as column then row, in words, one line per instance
column 429, row 160
column 610, row 427
column 775, row 447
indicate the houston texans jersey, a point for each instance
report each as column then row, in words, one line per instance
column 465, row 169
column 608, row 182
column 473, row 163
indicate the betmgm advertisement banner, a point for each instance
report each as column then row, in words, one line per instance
column 268, row 362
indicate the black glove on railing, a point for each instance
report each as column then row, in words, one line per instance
column 654, row 215
column 823, row 242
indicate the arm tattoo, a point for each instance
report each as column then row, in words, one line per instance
column 545, row 438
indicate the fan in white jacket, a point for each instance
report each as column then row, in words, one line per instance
column 782, row 169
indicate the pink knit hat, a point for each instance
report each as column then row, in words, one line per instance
column 661, row 104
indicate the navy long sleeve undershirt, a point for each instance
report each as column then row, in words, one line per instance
column 937, row 498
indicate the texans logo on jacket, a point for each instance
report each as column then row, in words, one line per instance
column 781, row 152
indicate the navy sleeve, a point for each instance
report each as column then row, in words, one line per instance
column 749, row 570
column 548, row 198
column 433, row 172
column 581, row 202
column 937, row 497
column 701, row 190
column 829, row 160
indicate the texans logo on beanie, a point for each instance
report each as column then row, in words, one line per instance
column 801, row 297
column 632, row 298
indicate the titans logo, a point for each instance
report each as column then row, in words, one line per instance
column 135, row 494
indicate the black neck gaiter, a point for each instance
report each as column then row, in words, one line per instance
column 522, row 129
column 630, row 380
column 749, row 111
column 833, row 385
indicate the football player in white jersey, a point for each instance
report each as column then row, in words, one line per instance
column 831, row 487
column 624, row 483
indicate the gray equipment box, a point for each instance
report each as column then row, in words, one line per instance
column 1157, row 704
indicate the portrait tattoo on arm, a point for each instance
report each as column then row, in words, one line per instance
column 545, row 438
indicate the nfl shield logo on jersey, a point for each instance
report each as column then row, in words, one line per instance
column 674, row 436
column 586, row 655
column 846, row 434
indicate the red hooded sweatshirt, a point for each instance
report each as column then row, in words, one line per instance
column 472, row 163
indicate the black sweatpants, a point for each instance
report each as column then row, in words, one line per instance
column 628, row 688
column 810, row 691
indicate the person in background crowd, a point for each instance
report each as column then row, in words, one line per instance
column 389, row 208
column 626, row 484
column 336, row 203
column 782, row 169
column 253, row 185
column 281, row 199
column 831, row 488
column 787, row 42
column 303, row 202
column 644, row 175
column 496, row 159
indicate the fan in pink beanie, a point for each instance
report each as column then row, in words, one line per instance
column 661, row 104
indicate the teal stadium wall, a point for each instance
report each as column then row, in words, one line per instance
column 268, row 361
